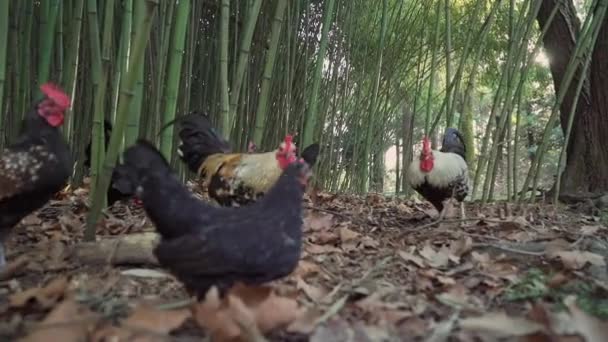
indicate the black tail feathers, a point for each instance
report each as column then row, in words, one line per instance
column 310, row 154
column 453, row 142
column 199, row 140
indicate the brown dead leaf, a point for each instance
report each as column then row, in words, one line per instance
column 244, row 312
column 306, row 321
column 578, row 259
column 461, row 246
column 588, row 326
column 318, row 221
column 212, row 315
column 14, row 267
column 590, row 230
column 67, row 322
column 306, row 268
column 325, row 237
column 434, row 258
column 347, row 235
column 275, row 312
column 31, row 220
column 312, row 248
column 500, row 325
column 383, row 311
column 149, row 318
column 316, row 294
column 46, row 296
column 418, row 261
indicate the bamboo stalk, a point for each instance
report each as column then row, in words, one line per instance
column 124, row 102
column 311, row 116
column 260, row 116
column 4, row 8
column 44, row 62
column 173, row 75
column 243, row 61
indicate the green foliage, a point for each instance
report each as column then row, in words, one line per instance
column 533, row 286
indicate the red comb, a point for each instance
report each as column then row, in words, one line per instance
column 288, row 139
column 426, row 143
column 55, row 93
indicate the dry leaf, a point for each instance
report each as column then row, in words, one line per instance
column 245, row 311
column 316, row 294
column 435, row 259
column 73, row 323
column 306, row 268
column 312, row 248
column 325, row 237
column 211, row 315
column 461, row 246
column 588, row 326
column 318, row 221
column 501, row 325
column 46, row 296
column 589, row 230
column 275, row 312
column 418, row 261
column 306, row 321
column 347, row 235
column 578, row 259
column 159, row 321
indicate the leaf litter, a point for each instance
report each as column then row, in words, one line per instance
column 367, row 274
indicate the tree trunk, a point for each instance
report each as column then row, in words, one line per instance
column 587, row 151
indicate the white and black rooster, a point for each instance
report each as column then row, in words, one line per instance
column 440, row 176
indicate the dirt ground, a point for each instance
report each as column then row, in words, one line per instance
column 373, row 269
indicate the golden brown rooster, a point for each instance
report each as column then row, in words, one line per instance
column 232, row 179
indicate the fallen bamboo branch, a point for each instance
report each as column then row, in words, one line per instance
column 131, row 249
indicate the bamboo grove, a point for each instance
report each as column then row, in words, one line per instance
column 361, row 77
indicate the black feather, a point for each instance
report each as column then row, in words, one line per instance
column 199, row 140
column 116, row 192
column 453, row 142
column 310, row 154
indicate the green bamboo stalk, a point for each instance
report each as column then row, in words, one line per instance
column 448, row 62
column 124, row 102
column 97, row 144
column 243, row 61
column 72, row 60
column 133, row 124
column 275, row 34
column 310, row 123
column 371, row 118
column 223, row 74
column 435, row 48
column 44, row 63
column 173, row 74
column 3, row 52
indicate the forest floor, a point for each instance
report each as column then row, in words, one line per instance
column 372, row 269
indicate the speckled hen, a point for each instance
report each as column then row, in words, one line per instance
column 37, row 165
column 204, row 245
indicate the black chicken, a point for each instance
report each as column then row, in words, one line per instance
column 37, row 165
column 117, row 191
column 204, row 245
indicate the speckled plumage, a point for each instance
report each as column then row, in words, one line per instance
column 205, row 245
column 32, row 169
column 231, row 179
